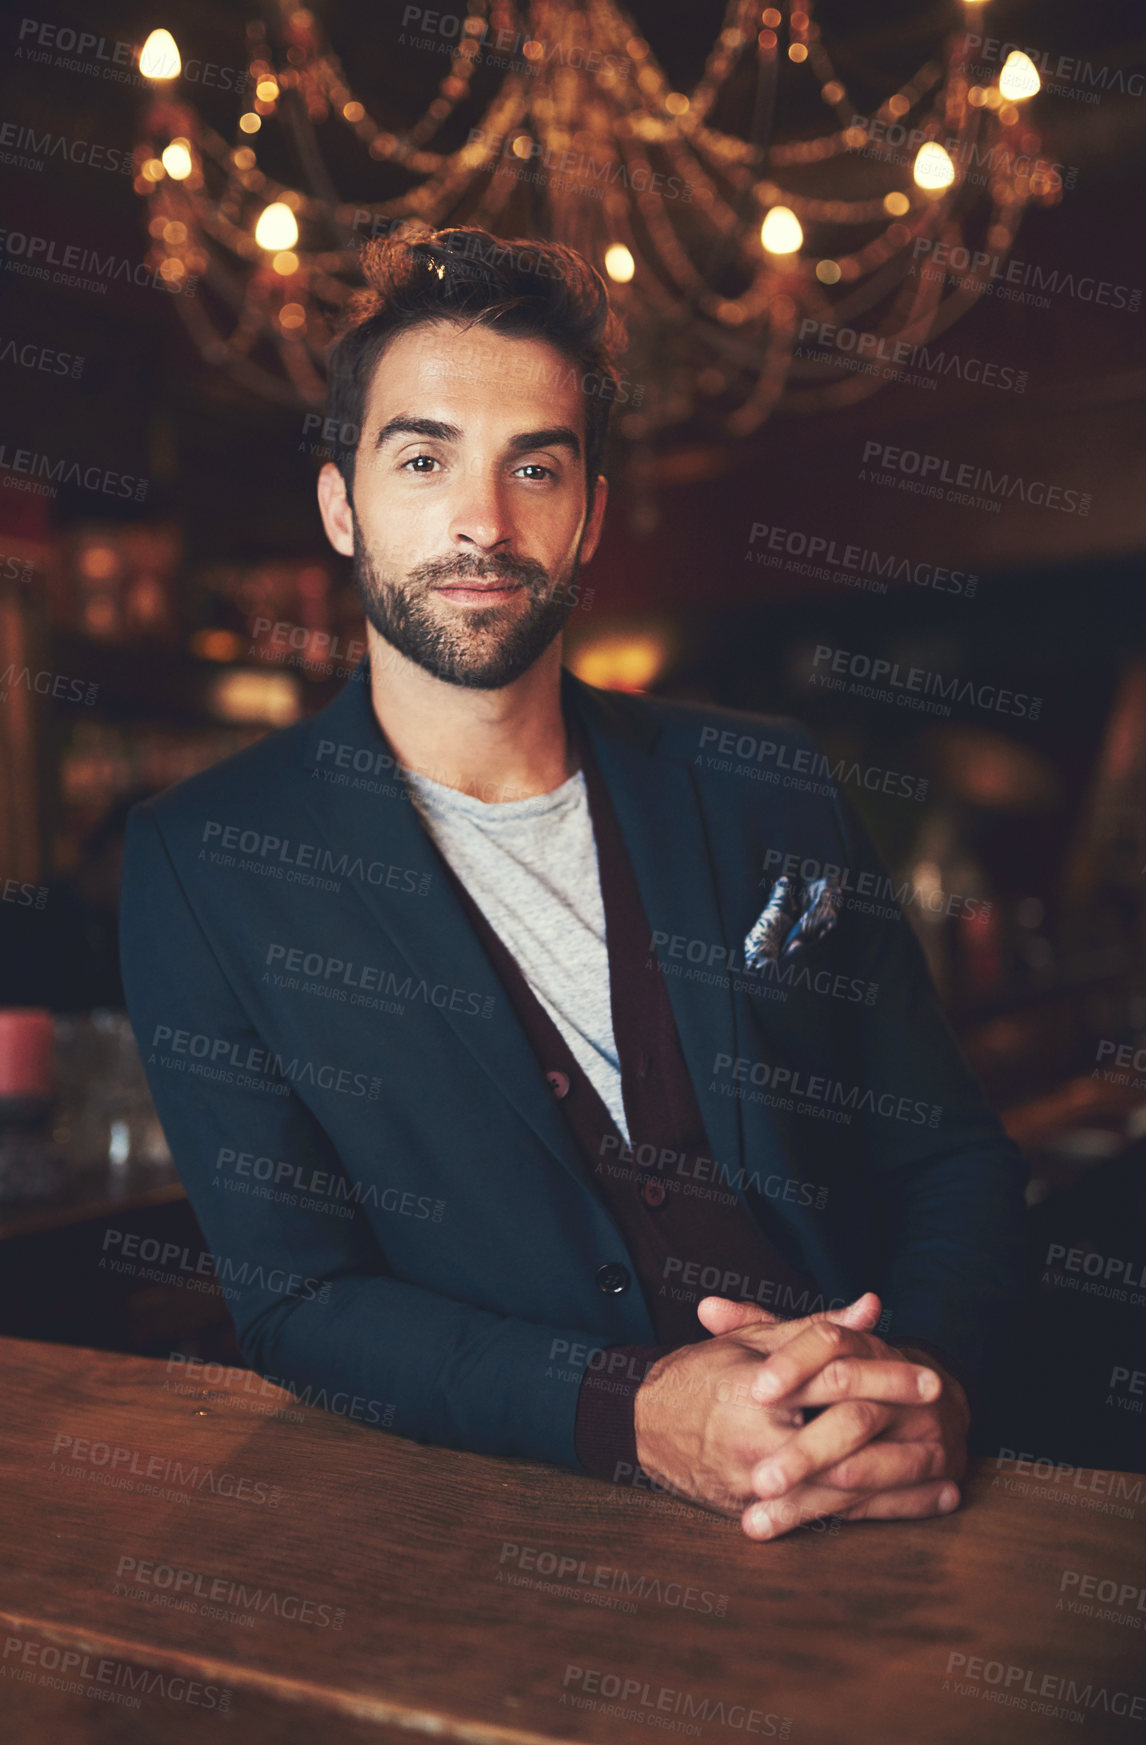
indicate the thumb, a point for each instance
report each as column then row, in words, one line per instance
column 723, row 1315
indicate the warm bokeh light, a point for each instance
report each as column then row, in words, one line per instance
column 829, row 272
column 97, row 562
column 224, row 645
column 177, row 160
column 277, row 227
column 896, row 203
column 619, row 263
column 621, row 663
column 250, row 122
column 780, row 232
column 1019, row 77
column 267, row 90
column 933, row 167
column 159, row 56
column 243, row 695
column 927, row 887
column 286, row 262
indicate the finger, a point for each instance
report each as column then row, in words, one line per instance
column 910, row 1503
column 914, row 1423
column 838, row 1432
column 795, row 1363
column 855, row 1378
column 780, row 1515
column 724, row 1315
column 887, row 1466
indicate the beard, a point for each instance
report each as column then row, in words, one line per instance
column 483, row 648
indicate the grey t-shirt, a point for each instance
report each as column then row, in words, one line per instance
column 531, row 867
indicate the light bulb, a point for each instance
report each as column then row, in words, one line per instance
column 619, row 263
column 933, row 167
column 159, row 56
column 1019, row 77
column 780, row 232
column 277, row 228
column 177, row 160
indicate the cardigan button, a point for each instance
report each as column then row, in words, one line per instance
column 613, row 1278
column 558, row 1084
column 653, row 1192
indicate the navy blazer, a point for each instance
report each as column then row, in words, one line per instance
column 400, row 1216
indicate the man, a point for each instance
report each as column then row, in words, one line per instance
column 482, row 1168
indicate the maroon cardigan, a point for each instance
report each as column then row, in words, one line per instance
column 665, row 1194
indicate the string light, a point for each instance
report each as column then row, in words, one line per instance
column 780, row 232
column 159, row 57
column 177, row 160
column 277, row 228
column 705, row 228
column 619, row 263
column 933, row 169
column 1019, row 77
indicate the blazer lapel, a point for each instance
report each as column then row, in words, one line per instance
column 432, row 933
column 661, row 817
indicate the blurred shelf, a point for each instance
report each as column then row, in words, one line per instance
column 1094, row 969
column 89, row 1198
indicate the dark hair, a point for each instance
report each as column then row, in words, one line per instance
column 524, row 289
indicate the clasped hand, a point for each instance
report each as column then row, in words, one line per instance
column 727, row 1422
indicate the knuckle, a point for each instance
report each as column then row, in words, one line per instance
column 831, row 1337
column 936, row 1461
column 866, row 1416
column 837, row 1375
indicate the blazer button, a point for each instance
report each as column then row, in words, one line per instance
column 653, row 1192
column 558, row 1084
column 612, row 1278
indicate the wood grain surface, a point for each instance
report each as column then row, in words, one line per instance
column 194, row 1555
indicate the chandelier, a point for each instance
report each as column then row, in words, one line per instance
column 725, row 248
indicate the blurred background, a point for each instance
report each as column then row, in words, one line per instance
column 825, row 319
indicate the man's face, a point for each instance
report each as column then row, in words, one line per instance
column 468, row 521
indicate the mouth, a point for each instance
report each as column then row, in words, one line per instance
column 479, row 593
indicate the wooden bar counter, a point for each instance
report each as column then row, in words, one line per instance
column 190, row 1554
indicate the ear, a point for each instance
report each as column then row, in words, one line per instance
column 596, row 517
column 334, row 506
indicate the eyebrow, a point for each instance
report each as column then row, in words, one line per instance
column 435, row 429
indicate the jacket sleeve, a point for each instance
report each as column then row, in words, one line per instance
column 950, row 1181
column 315, row 1306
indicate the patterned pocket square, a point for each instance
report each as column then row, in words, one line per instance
column 794, row 916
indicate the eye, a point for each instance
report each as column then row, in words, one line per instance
column 420, row 463
column 537, row 469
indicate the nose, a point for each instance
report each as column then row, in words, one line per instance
column 481, row 521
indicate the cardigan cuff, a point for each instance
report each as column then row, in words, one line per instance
column 604, row 1435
